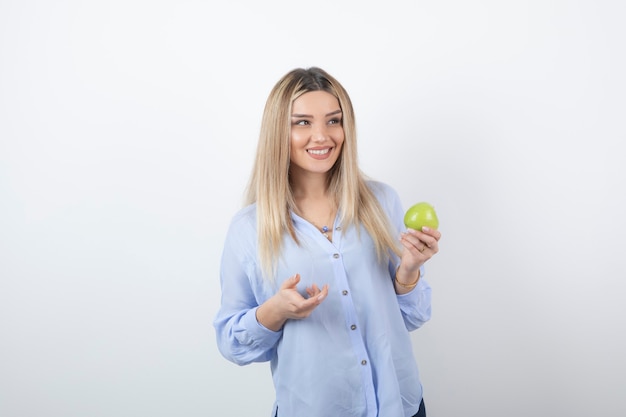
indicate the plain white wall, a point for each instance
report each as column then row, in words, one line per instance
column 127, row 131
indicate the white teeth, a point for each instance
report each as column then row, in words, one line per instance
column 319, row 151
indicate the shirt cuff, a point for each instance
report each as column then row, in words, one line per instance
column 259, row 334
column 412, row 296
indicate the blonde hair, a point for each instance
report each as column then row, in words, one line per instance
column 269, row 185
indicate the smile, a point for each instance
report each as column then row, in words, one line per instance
column 319, row 151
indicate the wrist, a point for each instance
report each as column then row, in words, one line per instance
column 407, row 280
column 269, row 316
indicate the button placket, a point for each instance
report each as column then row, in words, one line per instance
column 351, row 321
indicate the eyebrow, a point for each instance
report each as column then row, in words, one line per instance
column 326, row 115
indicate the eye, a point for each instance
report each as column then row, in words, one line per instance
column 335, row 121
column 301, row 122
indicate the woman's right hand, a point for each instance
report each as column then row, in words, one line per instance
column 288, row 303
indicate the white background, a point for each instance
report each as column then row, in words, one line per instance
column 127, row 132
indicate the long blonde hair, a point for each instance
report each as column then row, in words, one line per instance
column 269, row 185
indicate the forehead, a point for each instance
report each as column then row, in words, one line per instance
column 315, row 101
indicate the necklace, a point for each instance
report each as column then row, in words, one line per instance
column 325, row 230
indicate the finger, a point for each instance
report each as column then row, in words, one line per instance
column 428, row 239
column 410, row 235
column 317, row 299
column 411, row 241
column 312, row 290
column 291, row 282
column 428, row 245
column 430, row 242
column 323, row 293
column 306, row 306
column 412, row 248
column 436, row 234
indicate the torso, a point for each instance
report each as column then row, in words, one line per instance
column 320, row 212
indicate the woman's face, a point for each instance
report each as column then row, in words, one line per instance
column 316, row 133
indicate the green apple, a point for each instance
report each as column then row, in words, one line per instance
column 420, row 215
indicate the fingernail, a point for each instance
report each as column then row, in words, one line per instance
column 320, row 297
column 425, row 229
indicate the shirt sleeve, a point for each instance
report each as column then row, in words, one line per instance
column 240, row 337
column 416, row 304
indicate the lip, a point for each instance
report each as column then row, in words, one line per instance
column 320, row 153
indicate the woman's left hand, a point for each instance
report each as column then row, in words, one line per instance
column 419, row 246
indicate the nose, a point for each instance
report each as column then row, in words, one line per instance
column 319, row 133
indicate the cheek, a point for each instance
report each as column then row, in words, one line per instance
column 296, row 144
column 339, row 140
column 297, row 140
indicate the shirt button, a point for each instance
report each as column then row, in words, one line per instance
column 338, row 228
column 363, row 362
column 353, row 327
column 344, row 292
column 336, row 255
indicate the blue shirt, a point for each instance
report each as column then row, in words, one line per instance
column 352, row 357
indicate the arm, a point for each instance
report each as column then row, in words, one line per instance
column 246, row 331
column 415, row 305
column 240, row 337
column 407, row 273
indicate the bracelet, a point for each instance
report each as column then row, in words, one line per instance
column 407, row 286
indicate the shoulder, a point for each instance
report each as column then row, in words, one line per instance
column 389, row 200
column 383, row 192
column 242, row 229
column 239, row 252
column 245, row 217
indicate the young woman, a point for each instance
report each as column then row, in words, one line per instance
column 318, row 274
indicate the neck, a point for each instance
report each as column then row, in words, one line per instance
column 309, row 186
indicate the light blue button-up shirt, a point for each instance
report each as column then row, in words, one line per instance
column 352, row 357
